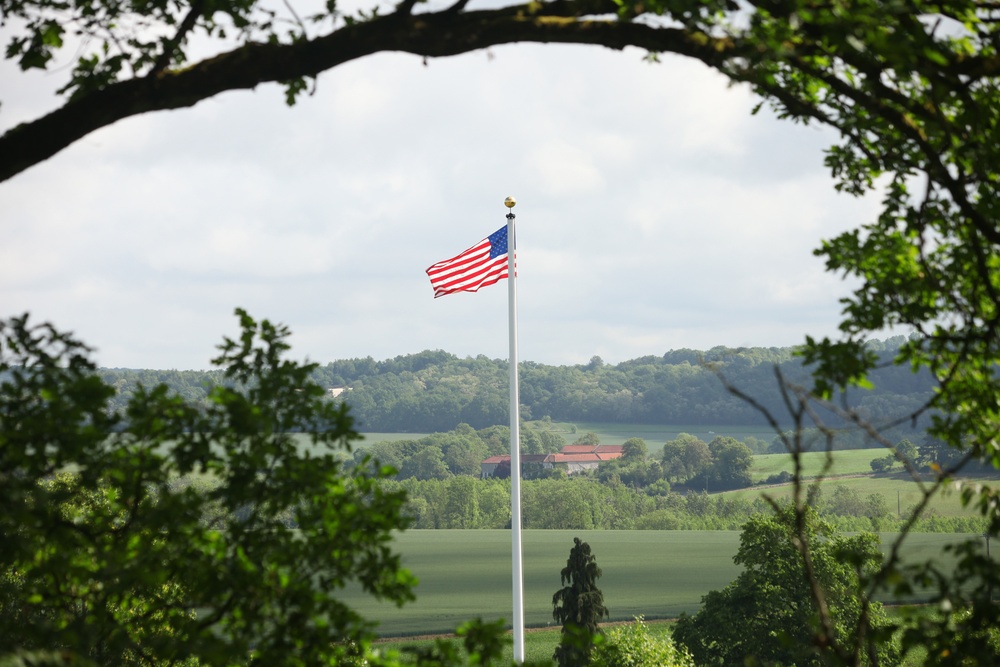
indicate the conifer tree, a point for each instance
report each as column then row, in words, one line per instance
column 579, row 606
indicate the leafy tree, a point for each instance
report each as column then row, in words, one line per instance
column 578, row 606
column 550, row 441
column 685, row 457
column 588, row 438
column 906, row 452
column 660, row 487
column 635, row 449
column 731, row 463
column 876, row 507
column 494, row 504
column 767, row 615
column 193, row 533
column 105, row 558
column 462, row 450
column 635, row 473
column 845, row 501
column 428, row 463
column 633, row 645
column 462, row 508
column 391, row 454
column 882, row 464
column 756, row 445
column 555, row 503
column 960, row 634
column 911, row 125
column 935, row 454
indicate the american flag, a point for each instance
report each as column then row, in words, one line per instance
column 483, row 264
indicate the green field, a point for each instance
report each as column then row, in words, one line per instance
column 615, row 434
column 657, row 434
column 467, row 573
column 657, row 574
column 844, row 462
column 850, row 469
column 609, row 434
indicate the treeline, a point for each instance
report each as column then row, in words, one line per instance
column 587, row 504
column 192, row 386
column 433, row 391
column 722, row 464
column 440, row 475
column 460, row 451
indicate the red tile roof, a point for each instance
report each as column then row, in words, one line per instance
column 588, row 457
column 569, row 454
column 591, row 449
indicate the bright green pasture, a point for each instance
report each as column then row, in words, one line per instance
column 844, row 462
column 899, row 491
column 467, row 573
column 612, row 434
column 657, row 434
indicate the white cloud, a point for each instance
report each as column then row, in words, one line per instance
column 654, row 213
column 565, row 170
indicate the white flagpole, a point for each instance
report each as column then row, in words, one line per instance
column 515, row 444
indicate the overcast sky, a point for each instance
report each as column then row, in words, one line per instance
column 654, row 213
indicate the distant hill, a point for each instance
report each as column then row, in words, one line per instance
column 433, row 391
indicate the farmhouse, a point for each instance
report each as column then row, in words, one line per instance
column 571, row 458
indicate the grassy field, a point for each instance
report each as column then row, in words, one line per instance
column 845, row 462
column 655, row 434
column 851, row 468
column 467, row 573
column 657, row 574
column 615, row 434
column 899, row 490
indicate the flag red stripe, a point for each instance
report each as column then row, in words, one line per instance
column 468, row 271
column 458, row 267
column 470, row 282
column 474, row 253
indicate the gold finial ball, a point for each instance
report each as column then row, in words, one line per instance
column 509, row 202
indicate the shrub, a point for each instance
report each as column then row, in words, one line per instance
column 633, row 645
column 783, row 477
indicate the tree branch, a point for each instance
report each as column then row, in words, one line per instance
column 170, row 46
column 439, row 34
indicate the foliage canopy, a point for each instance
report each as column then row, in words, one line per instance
column 633, row 645
column 430, row 392
column 767, row 615
column 108, row 555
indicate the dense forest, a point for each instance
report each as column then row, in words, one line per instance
column 434, row 391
